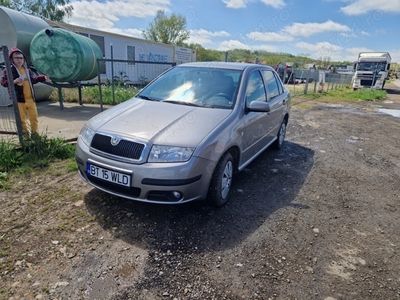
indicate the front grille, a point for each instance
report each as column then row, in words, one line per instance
column 366, row 82
column 124, row 148
column 365, row 77
column 112, row 187
column 368, row 76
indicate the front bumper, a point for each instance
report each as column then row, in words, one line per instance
column 151, row 182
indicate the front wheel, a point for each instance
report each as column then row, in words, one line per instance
column 280, row 138
column 221, row 181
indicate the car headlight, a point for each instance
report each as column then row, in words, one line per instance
column 86, row 135
column 160, row 153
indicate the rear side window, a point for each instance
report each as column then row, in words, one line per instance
column 271, row 84
column 255, row 90
column 280, row 86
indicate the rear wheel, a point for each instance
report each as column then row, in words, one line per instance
column 280, row 138
column 221, row 182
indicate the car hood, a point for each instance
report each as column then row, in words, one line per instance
column 160, row 123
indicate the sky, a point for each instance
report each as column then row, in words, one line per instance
column 334, row 29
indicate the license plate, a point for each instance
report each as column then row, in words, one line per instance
column 108, row 175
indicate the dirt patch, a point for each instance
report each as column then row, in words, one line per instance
column 317, row 220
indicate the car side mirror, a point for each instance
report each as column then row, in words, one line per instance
column 259, row 106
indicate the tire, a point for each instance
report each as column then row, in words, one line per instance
column 221, row 182
column 280, row 137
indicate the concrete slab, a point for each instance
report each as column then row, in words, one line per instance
column 64, row 123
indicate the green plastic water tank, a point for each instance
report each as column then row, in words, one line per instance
column 64, row 56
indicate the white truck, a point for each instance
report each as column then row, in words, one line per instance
column 371, row 70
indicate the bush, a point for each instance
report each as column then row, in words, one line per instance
column 36, row 151
column 10, row 157
column 42, row 147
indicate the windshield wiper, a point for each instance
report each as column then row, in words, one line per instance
column 146, row 98
column 182, row 103
column 219, row 106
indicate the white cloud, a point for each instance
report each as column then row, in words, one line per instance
column 348, row 34
column 243, row 3
column 308, row 29
column 205, row 37
column 274, row 3
column 232, row 44
column 270, row 36
column 353, row 52
column 320, row 50
column 268, row 48
column 103, row 15
column 235, row 44
column 126, row 31
column 395, row 54
column 321, row 46
column 359, row 7
column 334, row 52
column 290, row 32
column 235, row 3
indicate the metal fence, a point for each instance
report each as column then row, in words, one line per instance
column 10, row 123
column 118, row 73
column 308, row 81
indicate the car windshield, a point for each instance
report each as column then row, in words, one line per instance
column 371, row 66
column 195, row 86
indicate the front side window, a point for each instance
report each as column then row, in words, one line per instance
column 271, row 84
column 196, row 86
column 255, row 90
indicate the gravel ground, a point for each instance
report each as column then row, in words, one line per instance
column 317, row 220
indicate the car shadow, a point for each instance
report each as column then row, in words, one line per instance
column 269, row 183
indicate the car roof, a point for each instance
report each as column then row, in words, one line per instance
column 223, row 65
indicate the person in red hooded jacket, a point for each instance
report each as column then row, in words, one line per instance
column 24, row 79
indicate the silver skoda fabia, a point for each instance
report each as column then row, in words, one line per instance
column 186, row 134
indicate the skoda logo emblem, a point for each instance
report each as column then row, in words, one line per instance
column 115, row 140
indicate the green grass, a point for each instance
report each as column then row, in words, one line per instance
column 9, row 157
column 71, row 165
column 348, row 95
column 91, row 95
column 36, row 152
column 3, row 180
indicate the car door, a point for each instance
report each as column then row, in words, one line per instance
column 277, row 99
column 254, row 124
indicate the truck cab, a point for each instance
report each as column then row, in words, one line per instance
column 371, row 70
